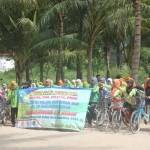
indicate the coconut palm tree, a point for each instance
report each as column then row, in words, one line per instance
column 19, row 26
column 57, row 11
column 137, row 40
column 93, row 27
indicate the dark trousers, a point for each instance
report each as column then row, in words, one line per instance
column 147, row 106
column 14, row 112
column 91, row 114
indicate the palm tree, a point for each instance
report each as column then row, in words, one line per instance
column 94, row 27
column 18, row 31
column 137, row 40
column 59, row 9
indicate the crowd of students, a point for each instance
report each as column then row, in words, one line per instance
column 117, row 88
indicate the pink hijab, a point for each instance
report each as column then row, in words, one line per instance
column 116, row 85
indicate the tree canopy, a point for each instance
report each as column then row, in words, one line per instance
column 78, row 34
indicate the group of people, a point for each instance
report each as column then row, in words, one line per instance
column 117, row 88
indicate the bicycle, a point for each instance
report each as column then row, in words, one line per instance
column 92, row 112
column 120, row 114
column 4, row 112
column 139, row 113
column 103, row 115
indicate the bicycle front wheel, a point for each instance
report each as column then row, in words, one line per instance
column 102, row 120
column 116, row 120
column 135, row 122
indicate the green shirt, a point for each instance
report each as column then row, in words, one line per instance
column 95, row 95
column 13, row 98
column 86, row 85
column 131, row 97
column 118, row 94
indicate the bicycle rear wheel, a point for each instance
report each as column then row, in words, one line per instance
column 135, row 122
column 116, row 120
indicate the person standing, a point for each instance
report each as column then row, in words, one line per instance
column 94, row 100
column 13, row 100
column 147, row 94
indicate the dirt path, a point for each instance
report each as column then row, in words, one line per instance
column 89, row 139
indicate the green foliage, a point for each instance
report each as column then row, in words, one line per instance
column 32, row 30
column 8, row 76
column 70, row 74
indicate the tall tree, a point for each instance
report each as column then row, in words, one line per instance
column 94, row 27
column 19, row 30
column 137, row 40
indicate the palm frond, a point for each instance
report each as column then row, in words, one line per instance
column 27, row 24
column 55, row 8
column 13, row 22
column 23, row 3
column 54, row 43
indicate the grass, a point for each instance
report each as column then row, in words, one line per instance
column 71, row 74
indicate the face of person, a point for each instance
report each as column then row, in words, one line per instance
column 148, row 84
column 109, row 82
column 47, row 83
column 114, row 85
column 130, row 84
column 101, row 85
column 98, row 78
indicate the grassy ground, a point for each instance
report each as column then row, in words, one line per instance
column 71, row 74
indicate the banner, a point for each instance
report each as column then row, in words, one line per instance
column 55, row 108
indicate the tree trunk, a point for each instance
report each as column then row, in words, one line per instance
column 27, row 71
column 59, row 69
column 41, row 71
column 47, row 69
column 107, row 59
column 90, row 63
column 79, row 60
column 19, row 73
column 137, row 40
column 62, row 73
column 79, row 67
column 118, row 56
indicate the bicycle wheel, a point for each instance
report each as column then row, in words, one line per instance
column 106, row 120
column 116, row 120
column 135, row 122
column 5, row 119
column 102, row 120
column 99, row 118
column 126, row 115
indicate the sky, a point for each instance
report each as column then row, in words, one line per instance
column 6, row 64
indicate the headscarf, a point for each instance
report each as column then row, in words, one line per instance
column 48, row 83
column 94, row 81
column 123, row 82
column 116, row 85
column 67, row 83
column 131, row 80
column 85, row 84
column 110, row 81
column 146, row 83
column 13, row 85
column 102, row 80
column 60, row 83
column 33, row 85
column 79, row 83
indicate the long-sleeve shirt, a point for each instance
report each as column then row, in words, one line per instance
column 95, row 95
column 131, row 99
column 13, row 98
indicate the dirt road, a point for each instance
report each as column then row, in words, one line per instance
column 89, row 139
